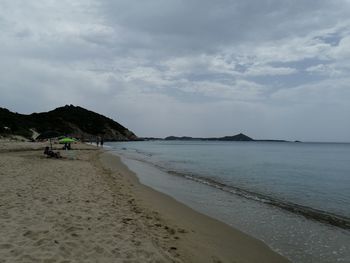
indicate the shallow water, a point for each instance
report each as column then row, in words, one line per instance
column 234, row 182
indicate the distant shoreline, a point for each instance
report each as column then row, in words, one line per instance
column 237, row 138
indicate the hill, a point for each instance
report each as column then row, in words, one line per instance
column 68, row 120
column 238, row 137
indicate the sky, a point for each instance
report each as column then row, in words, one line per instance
column 272, row 69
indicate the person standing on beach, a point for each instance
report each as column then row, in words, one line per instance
column 101, row 142
column 97, row 141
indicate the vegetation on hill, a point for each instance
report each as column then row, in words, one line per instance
column 68, row 120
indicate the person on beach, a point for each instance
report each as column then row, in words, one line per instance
column 101, row 142
column 97, row 141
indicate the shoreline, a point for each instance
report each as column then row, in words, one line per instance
column 204, row 230
column 171, row 168
column 93, row 208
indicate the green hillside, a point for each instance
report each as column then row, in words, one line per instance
column 67, row 120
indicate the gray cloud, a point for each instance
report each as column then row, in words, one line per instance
column 199, row 68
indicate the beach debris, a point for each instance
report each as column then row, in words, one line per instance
column 181, row 230
column 126, row 220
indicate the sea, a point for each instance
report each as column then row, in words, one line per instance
column 293, row 196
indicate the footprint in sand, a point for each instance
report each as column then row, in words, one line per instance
column 73, row 229
column 5, row 246
column 99, row 249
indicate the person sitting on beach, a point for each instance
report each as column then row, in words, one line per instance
column 51, row 153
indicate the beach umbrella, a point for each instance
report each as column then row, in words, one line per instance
column 67, row 140
column 48, row 135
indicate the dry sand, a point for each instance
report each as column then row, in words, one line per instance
column 89, row 207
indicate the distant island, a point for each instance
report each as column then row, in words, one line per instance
column 69, row 120
column 238, row 138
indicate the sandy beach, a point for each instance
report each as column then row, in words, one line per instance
column 88, row 207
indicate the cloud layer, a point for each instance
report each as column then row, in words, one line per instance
column 271, row 69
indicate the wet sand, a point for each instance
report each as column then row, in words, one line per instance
column 88, row 207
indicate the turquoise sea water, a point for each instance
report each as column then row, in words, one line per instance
column 293, row 196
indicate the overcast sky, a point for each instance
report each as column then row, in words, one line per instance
column 268, row 68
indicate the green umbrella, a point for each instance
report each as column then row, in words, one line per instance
column 67, row 140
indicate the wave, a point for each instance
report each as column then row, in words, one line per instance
column 308, row 212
